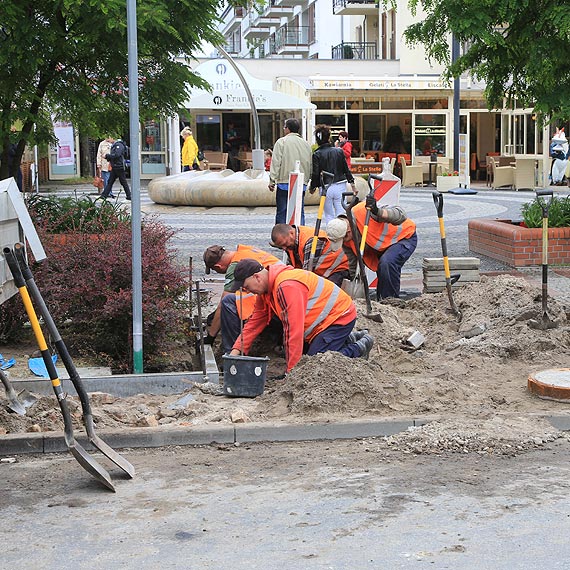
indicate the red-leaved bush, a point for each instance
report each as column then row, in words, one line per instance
column 86, row 283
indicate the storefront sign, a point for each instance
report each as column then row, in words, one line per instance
column 395, row 83
column 366, row 168
column 63, row 132
column 430, row 131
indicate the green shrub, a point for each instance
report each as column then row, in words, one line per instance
column 60, row 215
column 87, row 284
column 558, row 213
column 86, row 281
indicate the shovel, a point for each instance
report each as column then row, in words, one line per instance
column 97, row 442
column 14, row 404
column 83, row 458
column 360, row 270
column 449, row 279
column 546, row 322
column 324, row 188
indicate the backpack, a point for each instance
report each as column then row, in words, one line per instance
column 117, row 150
column 117, row 154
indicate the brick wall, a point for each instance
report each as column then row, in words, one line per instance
column 518, row 246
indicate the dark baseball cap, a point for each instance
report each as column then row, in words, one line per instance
column 244, row 269
column 212, row 255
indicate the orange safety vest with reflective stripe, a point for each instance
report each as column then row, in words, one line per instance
column 245, row 302
column 381, row 235
column 326, row 303
column 328, row 262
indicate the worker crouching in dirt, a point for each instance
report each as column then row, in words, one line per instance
column 390, row 241
column 317, row 316
column 297, row 242
column 233, row 308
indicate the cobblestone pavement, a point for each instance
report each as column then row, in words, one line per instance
column 199, row 227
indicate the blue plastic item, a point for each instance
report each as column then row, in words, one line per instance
column 38, row 366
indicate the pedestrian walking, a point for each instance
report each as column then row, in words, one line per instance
column 287, row 150
column 117, row 158
column 328, row 158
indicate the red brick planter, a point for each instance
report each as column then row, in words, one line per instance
column 518, row 246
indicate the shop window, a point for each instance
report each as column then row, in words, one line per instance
column 208, row 132
column 431, row 103
column 430, row 134
column 331, row 120
column 373, row 131
column 368, row 104
column 323, row 104
column 472, row 104
column 397, row 104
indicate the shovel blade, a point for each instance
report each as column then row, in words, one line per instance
column 90, row 465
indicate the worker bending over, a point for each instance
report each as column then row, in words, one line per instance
column 315, row 313
column 390, row 241
column 232, row 308
column 297, row 242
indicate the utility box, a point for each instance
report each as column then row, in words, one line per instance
column 15, row 225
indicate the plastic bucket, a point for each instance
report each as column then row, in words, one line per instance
column 244, row 376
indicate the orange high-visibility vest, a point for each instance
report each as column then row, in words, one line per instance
column 326, row 303
column 381, row 235
column 327, row 263
column 246, row 304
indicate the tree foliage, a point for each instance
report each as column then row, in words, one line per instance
column 70, row 57
column 519, row 48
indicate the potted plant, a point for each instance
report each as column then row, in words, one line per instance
column 447, row 180
column 519, row 243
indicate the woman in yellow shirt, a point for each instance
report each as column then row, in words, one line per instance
column 189, row 151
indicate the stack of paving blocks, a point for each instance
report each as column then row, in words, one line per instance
column 434, row 274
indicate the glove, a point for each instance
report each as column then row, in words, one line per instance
column 371, row 204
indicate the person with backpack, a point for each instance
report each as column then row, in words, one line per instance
column 116, row 157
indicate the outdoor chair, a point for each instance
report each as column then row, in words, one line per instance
column 411, row 175
column 215, row 160
column 501, row 175
column 525, row 173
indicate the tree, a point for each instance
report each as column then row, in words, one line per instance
column 519, row 49
column 69, row 58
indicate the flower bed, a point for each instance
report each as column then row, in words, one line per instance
column 516, row 245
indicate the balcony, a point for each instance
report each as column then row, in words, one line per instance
column 231, row 19
column 292, row 40
column 290, row 2
column 355, row 50
column 252, row 29
column 233, row 46
column 274, row 10
column 355, row 7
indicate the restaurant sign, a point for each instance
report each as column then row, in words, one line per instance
column 372, row 83
column 430, row 131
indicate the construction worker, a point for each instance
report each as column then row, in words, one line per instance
column 231, row 309
column 313, row 311
column 390, row 241
column 297, row 242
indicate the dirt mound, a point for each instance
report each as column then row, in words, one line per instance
column 474, row 368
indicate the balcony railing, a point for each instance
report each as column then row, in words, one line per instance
column 355, row 50
column 354, row 7
column 233, row 46
column 291, row 37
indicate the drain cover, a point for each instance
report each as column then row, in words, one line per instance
column 552, row 384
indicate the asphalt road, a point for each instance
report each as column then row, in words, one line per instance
column 344, row 505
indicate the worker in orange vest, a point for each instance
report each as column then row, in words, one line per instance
column 390, row 241
column 232, row 308
column 314, row 312
column 297, row 242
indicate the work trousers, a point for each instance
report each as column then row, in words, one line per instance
column 281, row 199
column 390, row 267
column 334, row 339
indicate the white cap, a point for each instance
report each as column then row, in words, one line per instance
column 336, row 230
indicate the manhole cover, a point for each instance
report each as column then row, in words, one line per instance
column 552, row 384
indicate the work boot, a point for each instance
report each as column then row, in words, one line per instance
column 355, row 336
column 365, row 345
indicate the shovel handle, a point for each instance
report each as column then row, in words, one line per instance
column 544, row 204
